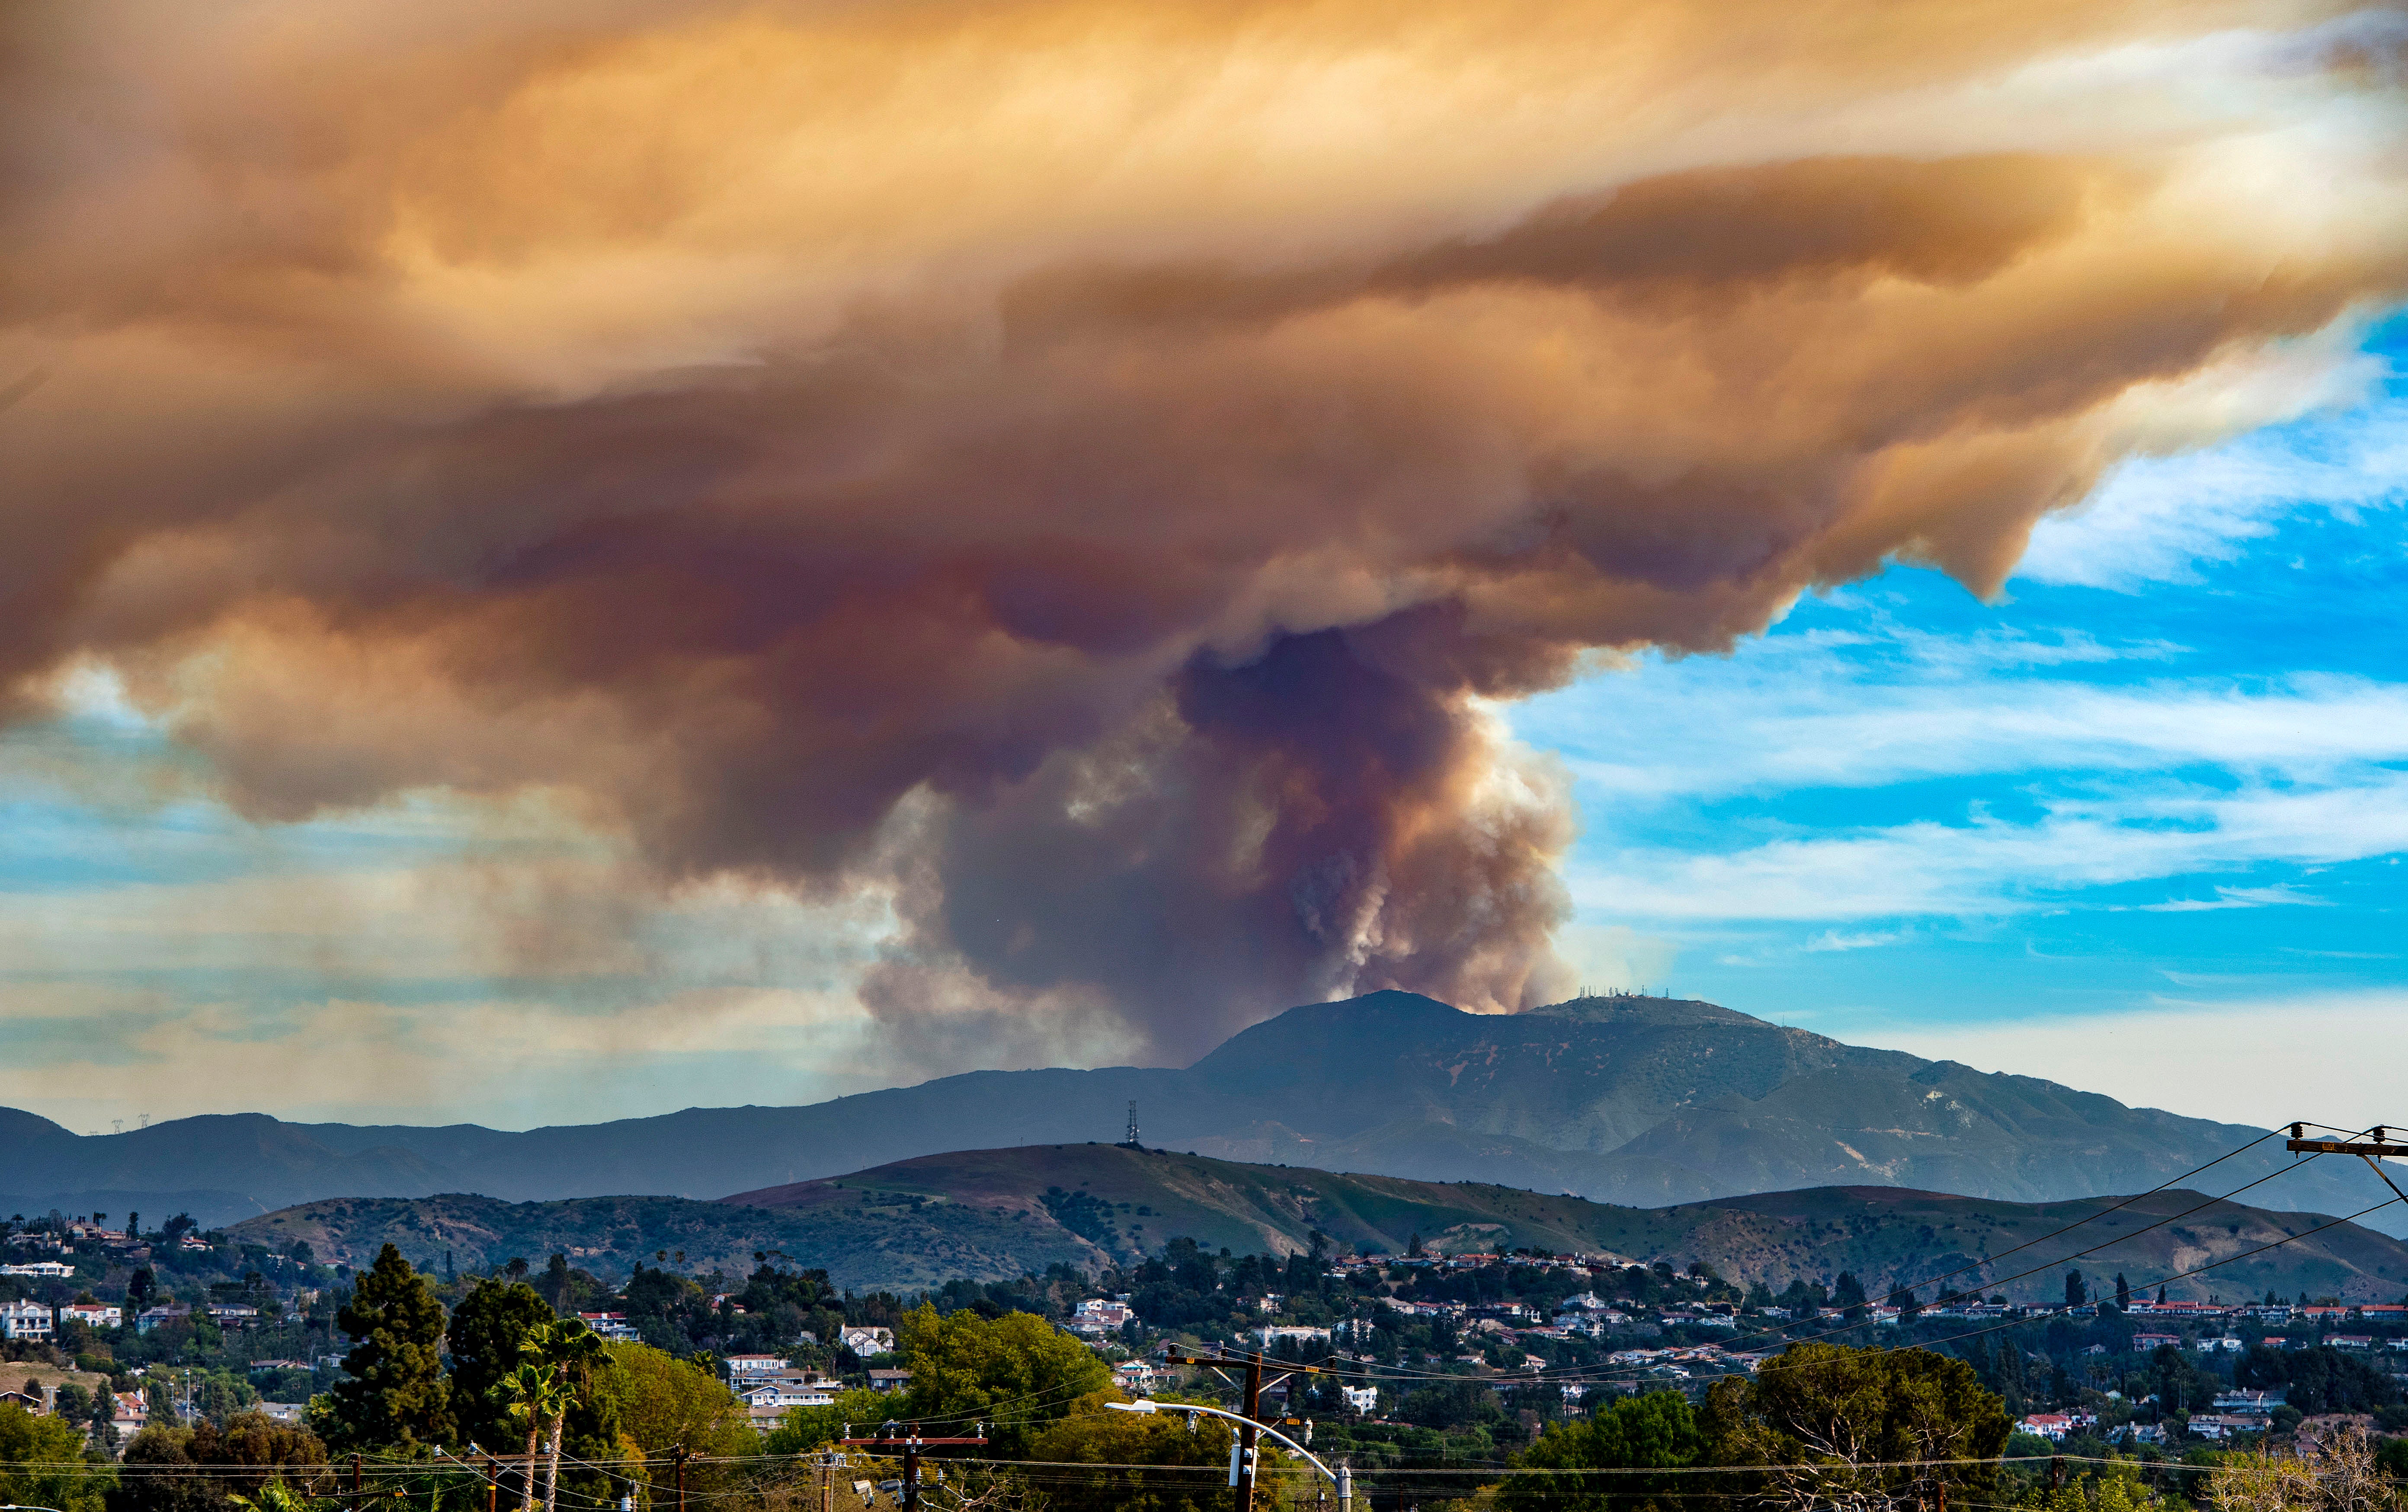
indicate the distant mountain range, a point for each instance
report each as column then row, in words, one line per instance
column 1638, row 1101
column 996, row 1213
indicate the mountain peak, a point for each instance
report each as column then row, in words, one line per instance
column 1630, row 1008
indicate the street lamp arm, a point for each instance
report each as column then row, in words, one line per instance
column 1147, row 1405
column 21, row 1506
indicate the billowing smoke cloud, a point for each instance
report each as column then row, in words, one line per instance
column 1086, row 470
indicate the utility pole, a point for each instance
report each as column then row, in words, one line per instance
column 678, row 1458
column 1243, row 1455
column 2370, row 1149
column 911, row 1443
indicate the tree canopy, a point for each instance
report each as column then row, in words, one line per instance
column 394, row 1394
column 488, row 1326
column 968, row 1369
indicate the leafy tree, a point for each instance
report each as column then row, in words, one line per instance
column 1090, row 1436
column 488, row 1326
column 1847, row 1291
column 1845, row 1412
column 662, row 1402
column 259, row 1451
column 394, row 1396
column 963, row 1366
column 1658, row 1431
column 1451, row 1404
column 35, row 1453
column 803, row 1430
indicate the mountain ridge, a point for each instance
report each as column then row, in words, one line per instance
column 1627, row 1099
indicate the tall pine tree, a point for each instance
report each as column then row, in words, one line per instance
column 393, row 1395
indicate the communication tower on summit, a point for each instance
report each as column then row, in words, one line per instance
column 1131, row 1140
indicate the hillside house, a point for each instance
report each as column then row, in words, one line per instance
column 233, row 1313
column 1134, row 1376
column 29, row 1321
column 30, row 1400
column 612, row 1326
column 2144, row 1343
column 869, row 1341
column 1362, row 1398
column 55, row 1270
column 2223, row 1425
column 776, row 1396
column 2051, row 1426
column 167, row 1312
column 1272, row 1334
column 92, row 1314
column 1097, row 1317
column 748, row 1367
column 890, row 1380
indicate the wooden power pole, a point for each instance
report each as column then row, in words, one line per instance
column 2370, row 1147
column 1244, row 1454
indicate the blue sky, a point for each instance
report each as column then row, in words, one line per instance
column 2108, row 828
column 2111, row 829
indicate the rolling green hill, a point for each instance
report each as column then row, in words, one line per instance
column 994, row 1214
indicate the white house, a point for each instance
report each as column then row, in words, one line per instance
column 869, row 1341
column 92, row 1314
column 1363, row 1398
column 58, row 1269
column 1098, row 1316
column 743, row 1367
column 776, row 1396
column 1272, row 1334
column 24, row 1320
column 1134, row 1376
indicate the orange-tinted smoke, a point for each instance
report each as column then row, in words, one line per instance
column 1083, row 469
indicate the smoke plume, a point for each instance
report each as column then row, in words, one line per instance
column 1085, row 471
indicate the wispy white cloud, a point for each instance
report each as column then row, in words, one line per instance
column 1835, row 940
column 1988, row 866
column 2157, row 519
column 2276, row 897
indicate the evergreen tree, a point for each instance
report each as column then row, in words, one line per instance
column 487, row 1330
column 2076, row 1293
column 2123, row 1292
column 394, row 1395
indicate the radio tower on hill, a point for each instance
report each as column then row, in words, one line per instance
column 1131, row 1140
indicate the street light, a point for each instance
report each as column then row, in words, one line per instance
column 1342, row 1477
column 21, row 1507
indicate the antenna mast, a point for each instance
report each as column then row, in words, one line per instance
column 1131, row 1140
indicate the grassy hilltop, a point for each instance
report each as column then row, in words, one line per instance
column 1001, row 1213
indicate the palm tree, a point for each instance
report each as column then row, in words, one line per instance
column 537, row 1396
column 552, row 1362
